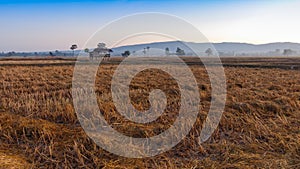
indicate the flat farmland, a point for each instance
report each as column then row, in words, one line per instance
column 260, row 126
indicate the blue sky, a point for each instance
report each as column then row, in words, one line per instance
column 49, row 25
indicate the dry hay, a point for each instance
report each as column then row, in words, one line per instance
column 260, row 127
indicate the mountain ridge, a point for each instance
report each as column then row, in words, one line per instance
column 226, row 48
column 190, row 48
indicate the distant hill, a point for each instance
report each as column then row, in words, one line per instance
column 226, row 48
column 158, row 49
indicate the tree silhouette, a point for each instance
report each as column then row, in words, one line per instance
column 12, row 53
column 287, row 52
column 209, row 52
column 86, row 50
column 180, row 52
column 126, row 53
column 101, row 45
column 73, row 47
column 51, row 54
column 167, row 50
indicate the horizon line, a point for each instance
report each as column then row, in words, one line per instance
column 257, row 44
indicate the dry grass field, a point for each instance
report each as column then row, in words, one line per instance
column 260, row 127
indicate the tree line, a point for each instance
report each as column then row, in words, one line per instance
column 126, row 53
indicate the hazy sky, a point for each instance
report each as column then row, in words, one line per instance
column 56, row 24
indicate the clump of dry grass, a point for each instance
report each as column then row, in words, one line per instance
column 12, row 159
column 259, row 128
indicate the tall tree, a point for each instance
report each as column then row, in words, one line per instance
column 167, row 51
column 209, row 52
column 73, row 47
